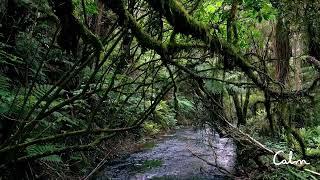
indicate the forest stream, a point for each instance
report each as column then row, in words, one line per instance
column 174, row 156
column 88, row 89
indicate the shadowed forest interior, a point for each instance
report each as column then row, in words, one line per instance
column 208, row 89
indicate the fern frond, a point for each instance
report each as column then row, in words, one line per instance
column 236, row 89
column 5, row 94
column 41, row 89
column 4, row 83
column 52, row 159
column 39, row 149
column 65, row 119
column 9, row 59
column 215, row 87
column 186, row 105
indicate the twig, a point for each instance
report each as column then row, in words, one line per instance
column 101, row 163
column 223, row 170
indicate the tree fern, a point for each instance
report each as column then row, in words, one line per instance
column 186, row 105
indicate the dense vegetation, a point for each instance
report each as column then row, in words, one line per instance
column 80, row 77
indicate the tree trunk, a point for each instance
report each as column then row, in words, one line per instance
column 245, row 105
column 238, row 108
column 283, row 50
column 267, row 105
column 98, row 21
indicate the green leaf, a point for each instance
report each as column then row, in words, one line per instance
column 211, row 8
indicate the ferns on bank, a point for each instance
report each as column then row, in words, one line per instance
column 41, row 149
column 185, row 105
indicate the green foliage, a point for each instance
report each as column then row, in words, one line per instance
column 215, row 87
column 28, row 48
column 151, row 128
column 122, row 91
column 260, row 9
column 90, row 7
column 64, row 119
column 52, row 158
column 41, row 89
column 311, row 136
column 258, row 124
column 5, row 83
column 39, row 149
column 286, row 172
column 9, row 59
column 149, row 145
column 313, row 116
column 213, row 6
column 165, row 116
column 185, row 105
column 5, row 96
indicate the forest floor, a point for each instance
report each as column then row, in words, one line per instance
column 183, row 154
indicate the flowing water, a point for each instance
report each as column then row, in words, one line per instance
column 174, row 157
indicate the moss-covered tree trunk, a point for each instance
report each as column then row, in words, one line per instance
column 283, row 50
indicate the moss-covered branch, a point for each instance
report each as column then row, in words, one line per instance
column 183, row 23
column 83, row 132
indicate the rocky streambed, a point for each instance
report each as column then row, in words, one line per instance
column 184, row 154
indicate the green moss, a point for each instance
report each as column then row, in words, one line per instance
column 149, row 164
column 149, row 145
